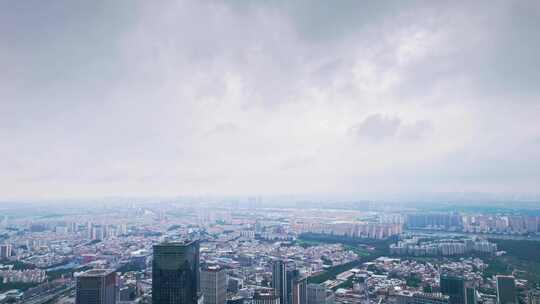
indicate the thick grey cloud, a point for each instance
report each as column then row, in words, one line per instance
column 377, row 127
column 194, row 97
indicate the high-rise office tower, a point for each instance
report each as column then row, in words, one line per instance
column 175, row 273
column 454, row 287
column 98, row 233
column 5, row 251
column 534, row 296
column 296, row 288
column 316, row 294
column 72, row 227
column 506, row 290
column 300, row 291
column 470, row 295
column 214, row 285
column 279, row 280
column 265, row 297
column 234, row 284
column 97, row 286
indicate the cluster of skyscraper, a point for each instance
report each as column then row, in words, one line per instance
column 178, row 279
column 175, row 279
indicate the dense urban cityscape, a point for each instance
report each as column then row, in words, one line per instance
column 246, row 253
column 269, row 152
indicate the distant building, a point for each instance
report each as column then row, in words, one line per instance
column 412, row 246
column 98, row 233
column 97, row 286
column 279, row 280
column 5, row 251
column 175, row 273
column 265, row 297
column 214, row 285
column 454, row 288
column 250, row 234
column 506, row 289
column 434, row 221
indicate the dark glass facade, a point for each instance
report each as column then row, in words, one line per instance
column 279, row 280
column 175, row 273
column 296, row 288
column 454, row 287
column 470, row 293
column 96, row 287
column 506, row 290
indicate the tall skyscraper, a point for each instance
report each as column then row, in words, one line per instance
column 534, row 296
column 265, row 297
column 175, row 273
column 97, row 232
column 506, row 290
column 470, row 295
column 296, row 288
column 454, row 287
column 316, row 294
column 279, row 280
column 214, row 285
column 5, row 251
column 97, row 286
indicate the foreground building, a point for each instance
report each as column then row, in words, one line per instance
column 97, row 286
column 265, row 297
column 534, row 296
column 454, row 288
column 175, row 273
column 279, row 280
column 316, row 294
column 214, row 285
column 506, row 289
column 296, row 288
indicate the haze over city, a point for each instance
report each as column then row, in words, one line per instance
column 269, row 152
column 368, row 99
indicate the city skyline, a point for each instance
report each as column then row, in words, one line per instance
column 174, row 98
column 180, row 252
column 269, row 152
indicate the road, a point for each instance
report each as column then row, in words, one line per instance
column 46, row 298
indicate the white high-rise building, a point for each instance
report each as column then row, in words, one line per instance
column 5, row 251
column 214, row 285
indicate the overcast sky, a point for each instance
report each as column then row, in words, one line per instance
column 146, row 98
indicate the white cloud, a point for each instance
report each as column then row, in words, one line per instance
column 190, row 97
